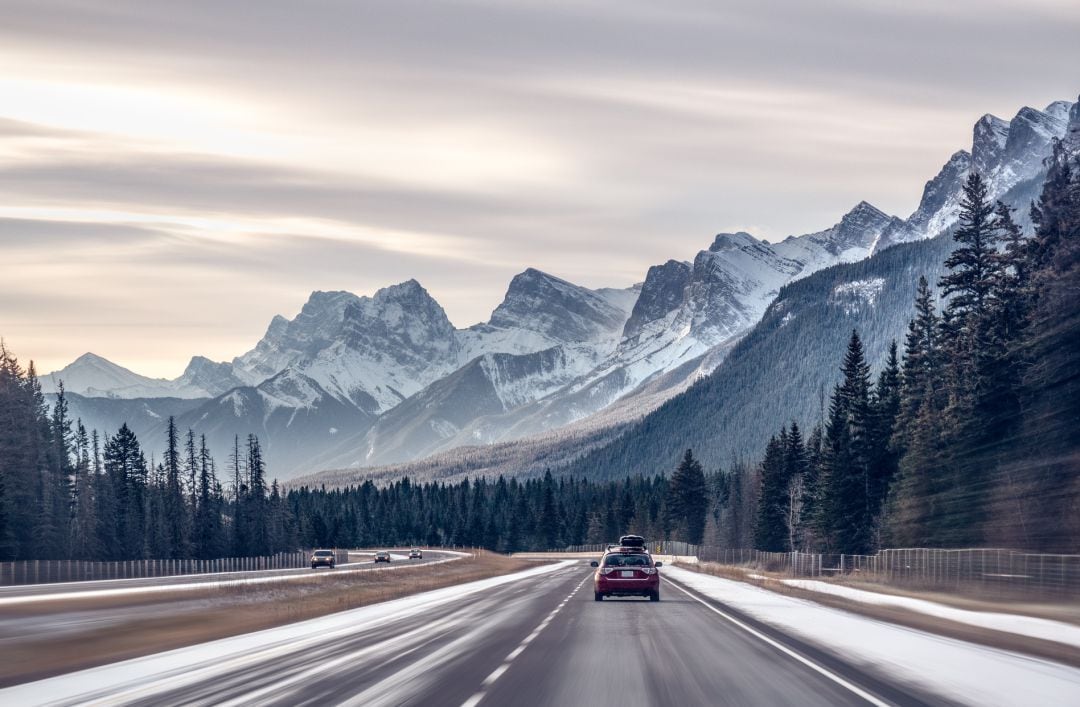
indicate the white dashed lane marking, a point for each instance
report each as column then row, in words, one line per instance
column 498, row 672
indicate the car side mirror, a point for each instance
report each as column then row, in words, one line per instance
column 594, row 563
column 658, row 564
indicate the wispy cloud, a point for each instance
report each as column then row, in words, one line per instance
column 200, row 166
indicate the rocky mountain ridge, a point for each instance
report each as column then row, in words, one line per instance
column 395, row 380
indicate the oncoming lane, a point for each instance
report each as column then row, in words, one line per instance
column 37, row 593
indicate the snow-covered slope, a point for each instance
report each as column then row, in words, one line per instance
column 214, row 377
column 377, row 351
column 540, row 311
column 686, row 310
column 490, row 385
column 292, row 415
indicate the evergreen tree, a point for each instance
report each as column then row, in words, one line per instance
column 240, row 531
column 84, row 527
column 1040, row 476
column 255, row 500
column 174, row 511
column 771, row 532
column 19, row 456
column 844, row 519
column 207, row 526
column 796, row 471
column 972, row 264
column 548, row 521
column 885, row 410
column 918, row 430
column 125, row 467
column 688, row 499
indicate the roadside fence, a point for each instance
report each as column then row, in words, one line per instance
column 52, row 571
column 984, row 571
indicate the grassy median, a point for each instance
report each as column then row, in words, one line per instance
column 42, row 639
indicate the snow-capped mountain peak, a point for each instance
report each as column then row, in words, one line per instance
column 1059, row 109
column 988, row 142
column 1008, row 154
column 557, row 309
column 663, row 291
column 732, row 241
column 94, row 376
column 212, row 376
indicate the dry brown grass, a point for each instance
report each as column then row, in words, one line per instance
column 191, row 617
column 913, row 619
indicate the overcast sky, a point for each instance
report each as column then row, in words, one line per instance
column 173, row 174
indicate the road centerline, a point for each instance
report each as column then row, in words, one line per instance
column 505, row 665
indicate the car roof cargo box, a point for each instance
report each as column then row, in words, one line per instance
column 632, row 541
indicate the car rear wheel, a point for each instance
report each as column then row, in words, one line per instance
column 655, row 596
column 598, row 596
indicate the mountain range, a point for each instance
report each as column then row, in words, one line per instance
column 357, row 382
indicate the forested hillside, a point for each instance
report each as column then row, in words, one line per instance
column 973, row 437
column 782, row 370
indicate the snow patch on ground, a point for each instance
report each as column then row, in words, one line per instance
column 852, row 296
column 1044, row 629
column 959, row 671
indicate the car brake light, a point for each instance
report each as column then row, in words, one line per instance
column 648, row 570
column 606, row 570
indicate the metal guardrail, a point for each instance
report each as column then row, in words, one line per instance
column 53, row 571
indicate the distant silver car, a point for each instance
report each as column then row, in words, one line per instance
column 416, row 554
column 323, row 558
column 382, row 556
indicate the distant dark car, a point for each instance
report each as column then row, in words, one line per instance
column 626, row 572
column 323, row 558
column 382, row 556
column 416, row 554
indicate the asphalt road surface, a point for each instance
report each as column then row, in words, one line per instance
column 541, row 640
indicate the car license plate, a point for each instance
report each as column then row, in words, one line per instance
column 627, row 573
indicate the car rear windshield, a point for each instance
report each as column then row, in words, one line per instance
column 627, row 561
column 323, row 553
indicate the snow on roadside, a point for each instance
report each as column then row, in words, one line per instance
column 1044, row 629
column 210, row 584
column 129, row 679
column 964, row 672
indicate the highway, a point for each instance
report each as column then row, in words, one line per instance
column 534, row 638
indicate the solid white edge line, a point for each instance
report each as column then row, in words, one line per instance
column 784, row 649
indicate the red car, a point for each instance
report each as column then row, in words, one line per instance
column 626, row 572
